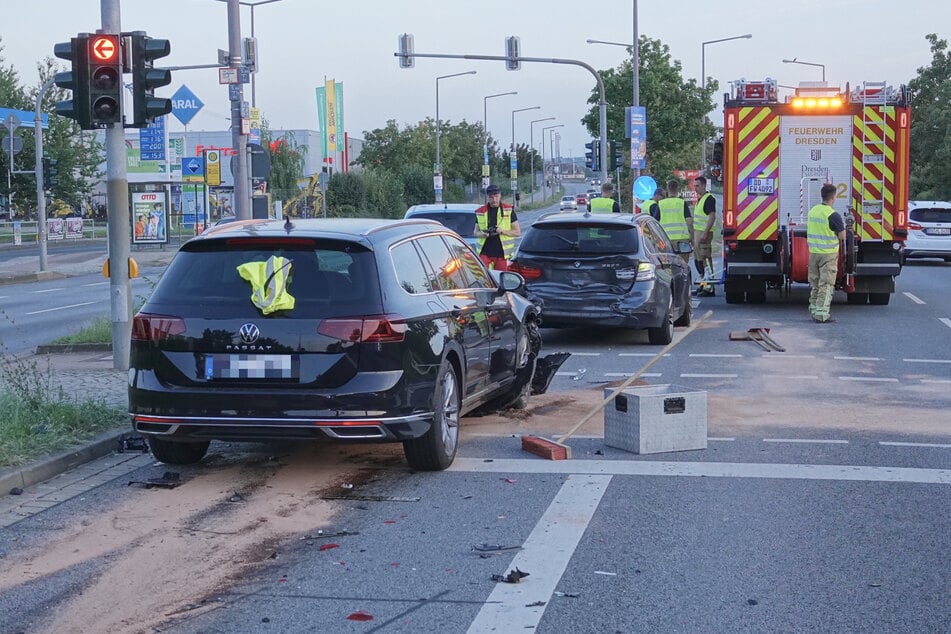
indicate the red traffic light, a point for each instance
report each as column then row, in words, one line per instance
column 104, row 48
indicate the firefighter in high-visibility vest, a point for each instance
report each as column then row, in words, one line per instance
column 824, row 229
column 496, row 230
column 675, row 217
column 704, row 218
column 605, row 203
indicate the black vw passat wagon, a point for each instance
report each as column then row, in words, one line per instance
column 343, row 329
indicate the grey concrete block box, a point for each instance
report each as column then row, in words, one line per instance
column 656, row 418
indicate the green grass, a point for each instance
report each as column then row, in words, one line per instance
column 96, row 331
column 37, row 417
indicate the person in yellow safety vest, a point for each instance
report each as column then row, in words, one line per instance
column 675, row 216
column 605, row 203
column 824, row 230
column 496, row 230
column 653, row 205
column 704, row 217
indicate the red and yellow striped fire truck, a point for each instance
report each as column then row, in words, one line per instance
column 776, row 157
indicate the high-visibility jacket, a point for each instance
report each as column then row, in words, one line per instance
column 672, row 218
column 601, row 205
column 819, row 234
column 269, row 283
column 503, row 220
column 700, row 218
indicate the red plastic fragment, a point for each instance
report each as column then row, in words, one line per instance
column 328, row 546
column 360, row 615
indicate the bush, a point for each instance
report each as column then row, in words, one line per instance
column 417, row 186
column 384, row 194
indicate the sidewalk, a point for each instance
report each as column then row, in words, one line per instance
column 82, row 371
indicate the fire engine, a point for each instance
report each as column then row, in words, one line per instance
column 776, row 157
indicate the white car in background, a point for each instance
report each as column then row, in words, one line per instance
column 568, row 203
column 929, row 230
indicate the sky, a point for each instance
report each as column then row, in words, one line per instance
column 303, row 42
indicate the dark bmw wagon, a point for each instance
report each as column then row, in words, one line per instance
column 341, row 329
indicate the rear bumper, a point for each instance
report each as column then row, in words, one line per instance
column 640, row 309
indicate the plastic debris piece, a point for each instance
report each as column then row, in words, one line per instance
column 514, row 576
column 578, row 376
column 360, row 615
column 537, row 604
column 323, row 535
column 328, row 546
column 509, row 480
column 133, row 443
column 346, row 485
column 485, row 548
column 16, row 491
column 569, row 595
column 237, row 497
column 389, row 521
column 169, row 480
column 602, row 572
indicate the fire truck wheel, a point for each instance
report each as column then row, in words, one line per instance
column 734, row 298
column 879, row 299
column 758, row 297
column 857, row 298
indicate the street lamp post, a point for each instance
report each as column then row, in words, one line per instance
column 437, row 180
column 252, row 5
column 703, row 85
column 513, row 157
column 796, row 61
column 485, row 133
column 544, row 130
column 531, row 147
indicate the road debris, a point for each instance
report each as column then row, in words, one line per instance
column 568, row 595
column 494, row 548
column 608, row 574
column 328, row 546
column 169, row 480
column 760, row 336
column 537, row 604
column 370, row 498
column 16, row 491
column 514, row 576
column 360, row 615
column 323, row 535
column 133, row 443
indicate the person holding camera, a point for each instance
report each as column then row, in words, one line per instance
column 496, row 230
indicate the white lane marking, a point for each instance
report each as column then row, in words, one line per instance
column 945, row 321
column 838, row 358
column 49, row 310
column 913, row 298
column 821, row 441
column 584, row 354
column 712, row 439
column 629, row 374
column 880, row 379
column 936, row 381
column 48, row 290
column 791, row 377
column 927, row 360
column 705, row 355
column 639, row 354
column 768, row 355
column 914, row 444
column 98, row 284
column 706, row 469
column 545, row 554
column 708, row 376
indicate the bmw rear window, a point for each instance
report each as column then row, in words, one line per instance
column 931, row 214
column 329, row 278
column 591, row 238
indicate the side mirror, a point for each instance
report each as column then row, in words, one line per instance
column 511, row 282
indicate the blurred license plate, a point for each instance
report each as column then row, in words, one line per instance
column 252, row 366
column 938, row 231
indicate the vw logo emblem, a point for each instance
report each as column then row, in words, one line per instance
column 249, row 333
column 577, row 264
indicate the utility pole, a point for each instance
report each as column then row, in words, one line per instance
column 117, row 196
column 239, row 140
column 40, row 186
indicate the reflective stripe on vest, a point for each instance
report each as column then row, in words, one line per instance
column 672, row 218
column 700, row 218
column 504, row 222
column 601, row 205
column 820, row 236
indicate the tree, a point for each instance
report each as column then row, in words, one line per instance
column 676, row 108
column 287, row 162
column 931, row 125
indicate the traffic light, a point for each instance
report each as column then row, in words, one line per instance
column 104, row 59
column 76, row 80
column 145, row 78
column 52, row 174
column 615, row 157
column 512, row 53
column 406, row 51
column 593, row 155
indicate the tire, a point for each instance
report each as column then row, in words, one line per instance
column 879, row 299
column 662, row 335
column 181, row 453
column 436, row 449
column 756, row 297
column 684, row 319
column 857, row 298
column 734, row 298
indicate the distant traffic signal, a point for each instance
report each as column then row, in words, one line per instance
column 104, row 58
column 512, row 53
column 50, row 172
column 615, row 157
column 76, row 80
column 406, row 51
column 592, row 155
column 144, row 50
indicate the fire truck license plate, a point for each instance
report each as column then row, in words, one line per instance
column 761, row 186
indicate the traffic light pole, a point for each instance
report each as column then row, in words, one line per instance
column 242, row 184
column 117, row 195
column 40, row 185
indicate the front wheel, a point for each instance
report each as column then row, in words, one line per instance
column 662, row 335
column 181, row 453
column 436, row 449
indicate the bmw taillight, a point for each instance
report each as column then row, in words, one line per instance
column 370, row 329
column 528, row 272
column 148, row 327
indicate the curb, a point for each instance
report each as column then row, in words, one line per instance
column 38, row 276
column 45, row 468
column 67, row 348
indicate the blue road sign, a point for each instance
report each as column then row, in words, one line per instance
column 185, row 105
column 193, row 166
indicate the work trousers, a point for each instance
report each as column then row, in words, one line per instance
column 823, row 268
